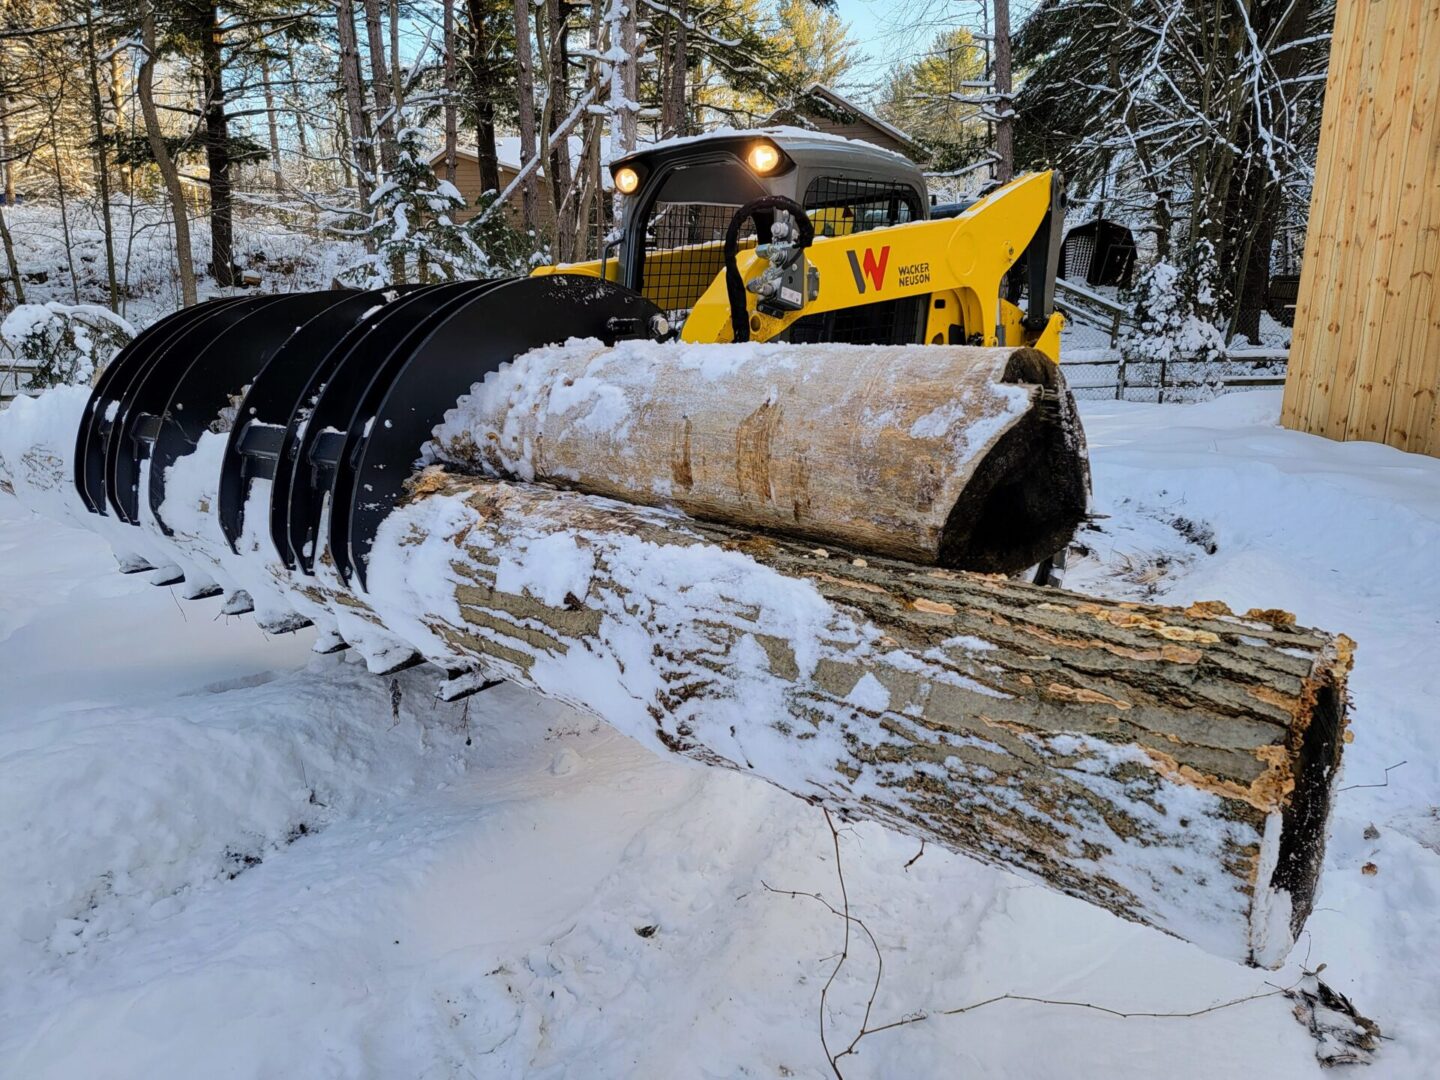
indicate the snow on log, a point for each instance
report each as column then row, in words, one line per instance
column 1173, row 766
column 964, row 457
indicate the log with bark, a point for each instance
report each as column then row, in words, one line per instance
column 971, row 458
column 1174, row 766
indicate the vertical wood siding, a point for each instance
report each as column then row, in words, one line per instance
column 1365, row 359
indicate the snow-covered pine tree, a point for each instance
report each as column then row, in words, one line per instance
column 413, row 223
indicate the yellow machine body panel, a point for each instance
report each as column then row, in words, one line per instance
column 959, row 262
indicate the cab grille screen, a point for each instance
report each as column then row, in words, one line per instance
column 684, row 251
column 839, row 206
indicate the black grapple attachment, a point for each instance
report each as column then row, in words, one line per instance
column 328, row 396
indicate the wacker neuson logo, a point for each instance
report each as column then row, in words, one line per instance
column 873, row 268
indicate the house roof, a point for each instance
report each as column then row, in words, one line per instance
column 835, row 99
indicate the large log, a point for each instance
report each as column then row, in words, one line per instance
column 964, row 457
column 1173, row 766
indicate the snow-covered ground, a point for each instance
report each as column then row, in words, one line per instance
column 221, row 856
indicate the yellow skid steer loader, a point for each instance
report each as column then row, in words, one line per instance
column 771, row 236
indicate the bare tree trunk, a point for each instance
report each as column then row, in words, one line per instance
column 276, row 175
column 1174, row 767
column 1005, row 125
column 12, row 265
column 450, row 110
column 380, row 86
column 163, row 161
column 624, row 82
column 64, row 212
column 298, row 108
column 102, row 158
column 481, row 66
column 217, row 153
column 525, row 103
column 340, row 143
column 362, row 151
column 7, row 163
column 969, row 458
column 674, row 118
column 592, row 207
column 397, row 87
column 557, row 105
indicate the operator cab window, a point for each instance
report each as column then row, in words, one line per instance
column 839, row 206
column 684, row 237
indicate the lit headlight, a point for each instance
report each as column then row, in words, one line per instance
column 763, row 158
column 626, row 180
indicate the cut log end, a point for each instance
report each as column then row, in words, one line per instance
column 1028, row 495
column 1284, row 901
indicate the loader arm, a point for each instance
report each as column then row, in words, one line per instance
column 960, row 262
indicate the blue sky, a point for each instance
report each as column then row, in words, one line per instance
column 890, row 31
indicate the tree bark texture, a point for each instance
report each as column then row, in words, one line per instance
column 525, row 118
column 1174, row 766
column 384, row 125
column 217, row 152
column 674, row 114
column 968, row 457
column 1004, row 90
column 271, row 124
column 145, row 89
column 360, row 144
column 102, row 163
column 448, row 30
column 481, row 64
column 555, row 50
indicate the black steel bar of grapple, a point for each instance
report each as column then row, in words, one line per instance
column 145, row 397
column 296, row 522
column 134, row 359
column 318, row 374
column 343, row 490
column 215, row 379
column 458, row 351
column 265, row 422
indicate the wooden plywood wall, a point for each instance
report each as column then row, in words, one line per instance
column 1365, row 358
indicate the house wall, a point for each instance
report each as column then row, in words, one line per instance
column 467, row 179
column 860, row 130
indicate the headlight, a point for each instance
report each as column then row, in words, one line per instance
column 763, row 158
column 626, row 180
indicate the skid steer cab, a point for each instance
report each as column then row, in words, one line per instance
column 821, row 239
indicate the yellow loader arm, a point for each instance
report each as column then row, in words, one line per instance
column 959, row 262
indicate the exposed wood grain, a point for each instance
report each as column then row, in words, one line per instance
column 1363, row 360
column 1173, row 766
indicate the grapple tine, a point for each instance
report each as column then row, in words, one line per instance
column 147, row 395
column 455, row 352
column 216, row 376
column 131, row 361
column 263, row 432
column 329, row 406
